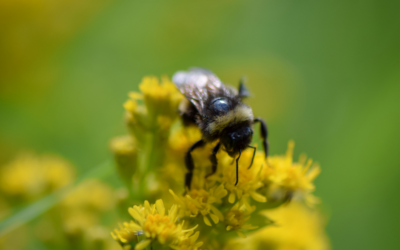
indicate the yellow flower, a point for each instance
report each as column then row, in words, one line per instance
column 30, row 176
column 152, row 223
column 200, row 201
column 171, row 176
column 149, row 117
column 164, row 96
column 297, row 227
column 125, row 155
column 92, row 196
column 161, row 100
column 127, row 232
column 81, row 210
column 123, row 145
column 78, row 221
column 182, row 139
column 189, row 243
column 58, row 172
column 286, row 179
column 249, row 179
column 236, row 218
column 98, row 237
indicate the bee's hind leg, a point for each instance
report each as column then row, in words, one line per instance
column 264, row 134
column 213, row 159
column 189, row 163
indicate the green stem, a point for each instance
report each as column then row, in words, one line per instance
column 152, row 155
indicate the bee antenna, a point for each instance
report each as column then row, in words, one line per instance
column 254, row 154
column 237, row 167
column 243, row 91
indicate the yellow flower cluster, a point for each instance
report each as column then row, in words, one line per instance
column 249, row 179
column 236, row 218
column 286, row 179
column 73, row 222
column 149, row 116
column 78, row 217
column 154, row 225
column 30, row 176
column 90, row 196
column 200, row 202
column 159, row 141
column 297, row 227
column 125, row 152
column 160, row 101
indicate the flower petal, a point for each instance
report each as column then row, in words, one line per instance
column 143, row 244
column 231, row 198
column 258, row 197
column 160, row 207
column 214, row 218
column 135, row 214
column 207, row 221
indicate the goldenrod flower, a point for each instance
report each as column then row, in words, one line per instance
column 286, row 179
column 297, row 227
column 98, row 238
column 149, row 116
column 125, row 155
column 152, row 223
column 181, row 139
column 78, row 221
column 30, row 176
column 249, row 179
column 127, row 232
column 92, row 196
column 236, row 218
column 189, row 243
column 200, row 201
column 161, row 100
column 80, row 212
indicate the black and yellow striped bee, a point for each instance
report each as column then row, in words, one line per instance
column 219, row 112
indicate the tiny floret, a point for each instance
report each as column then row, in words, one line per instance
column 153, row 224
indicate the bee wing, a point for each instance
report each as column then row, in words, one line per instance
column 197, row 84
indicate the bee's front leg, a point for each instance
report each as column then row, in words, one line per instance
column 213, row 159
column 264, row 134
column 189, row 163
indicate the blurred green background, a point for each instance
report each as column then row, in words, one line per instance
column 323, row 73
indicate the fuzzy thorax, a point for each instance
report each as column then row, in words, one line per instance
column 239, row 114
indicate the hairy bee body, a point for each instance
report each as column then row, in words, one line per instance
column 218, row 111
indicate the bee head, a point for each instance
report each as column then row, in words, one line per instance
column 235, row 139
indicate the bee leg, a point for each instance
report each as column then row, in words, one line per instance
column 264, row 134
column 189, row 163
column 213, row 159
column 237, row 167
column 254, row 154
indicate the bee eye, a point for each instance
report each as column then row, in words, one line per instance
column 220, row 105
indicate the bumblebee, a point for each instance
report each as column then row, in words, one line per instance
column 219, row 112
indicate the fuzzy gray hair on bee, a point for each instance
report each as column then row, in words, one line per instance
column 219, row 112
